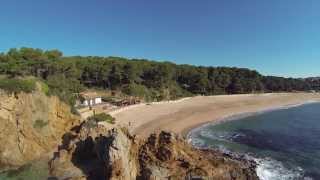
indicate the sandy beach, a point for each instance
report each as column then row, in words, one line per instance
column 180, row 117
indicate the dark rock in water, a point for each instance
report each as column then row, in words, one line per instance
column 101, row 153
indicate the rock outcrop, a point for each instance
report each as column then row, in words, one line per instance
column 31, row 125
column 92, row 151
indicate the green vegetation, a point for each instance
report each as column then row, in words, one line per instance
column 39, row 124
column 44, row 88
column 108, row 99
column 63, row 87
column 102, row 117
column 36, row 170
column 152, row 81
column 14, row 85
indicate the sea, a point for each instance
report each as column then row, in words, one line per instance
column 285, row 143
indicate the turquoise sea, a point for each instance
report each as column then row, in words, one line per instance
column 285, row 142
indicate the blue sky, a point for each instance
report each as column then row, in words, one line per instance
column 275, row 37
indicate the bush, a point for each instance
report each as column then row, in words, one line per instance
column 39, row 124
column 64, row 88
column 136, row 90
column 177, row 92
column 74, row 111
column 44, row 88
column 17, row 85
column 109, row 99
column 103, row 117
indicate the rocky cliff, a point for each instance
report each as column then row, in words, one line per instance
column 35, row 125
column 92, row 151
column 31, row 125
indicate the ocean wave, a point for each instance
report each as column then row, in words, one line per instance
column 207, row 133
column 270, row 169
column 197, row 142
column 220, row 135
column 267, row 168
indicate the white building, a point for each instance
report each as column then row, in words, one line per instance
column 90, row 99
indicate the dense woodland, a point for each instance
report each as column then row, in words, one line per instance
column 150, row 80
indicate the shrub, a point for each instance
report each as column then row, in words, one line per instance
column 13, row 85
column 136, row 90
column 44, row 88
column 39, row 124
column 64, row 88
column 177, row 92
column 74, row 110
column 103, row 117
column 109, row 99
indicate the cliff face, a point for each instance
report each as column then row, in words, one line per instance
column 31, row 125
column 94, row 152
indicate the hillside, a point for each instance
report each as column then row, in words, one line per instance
column 150, row 80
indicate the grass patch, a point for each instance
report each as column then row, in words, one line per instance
column 102, row 117
column 44, row 88
column 39, row 124
column 16, row 172
column 34, row 170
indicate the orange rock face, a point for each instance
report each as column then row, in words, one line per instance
column 31, row 125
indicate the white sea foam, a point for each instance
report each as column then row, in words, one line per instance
column 197, row 142
column 269, row 169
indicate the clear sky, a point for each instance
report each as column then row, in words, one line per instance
column 275, row 37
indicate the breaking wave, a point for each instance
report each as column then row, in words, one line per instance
column 270, row 169
column 267, row 168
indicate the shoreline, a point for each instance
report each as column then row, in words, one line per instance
column 181, row 117
column 261, row 164
column 186, row 132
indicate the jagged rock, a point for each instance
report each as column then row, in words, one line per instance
column 101, row 153
column 96, row 153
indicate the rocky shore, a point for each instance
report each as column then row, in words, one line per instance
column 92, row 151
column 38, row 128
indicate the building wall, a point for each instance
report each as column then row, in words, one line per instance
column 98, row 100
column 92, row 101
